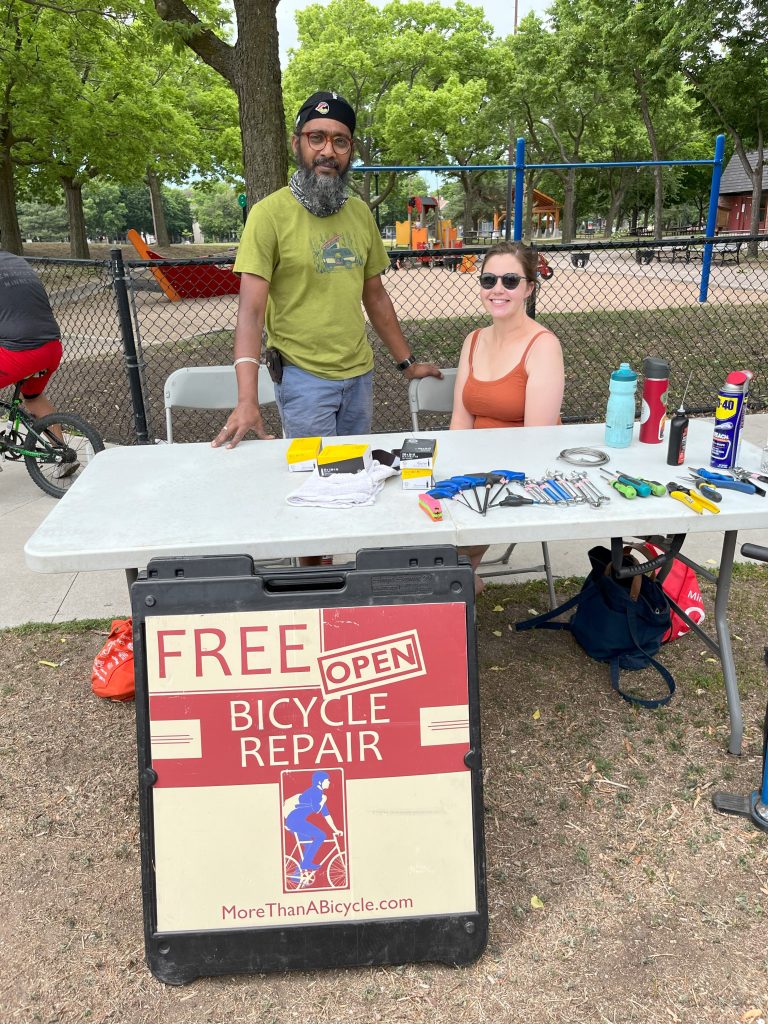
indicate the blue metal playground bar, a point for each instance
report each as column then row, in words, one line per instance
column 520, row 167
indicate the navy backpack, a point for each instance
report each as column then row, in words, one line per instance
column 621, row 621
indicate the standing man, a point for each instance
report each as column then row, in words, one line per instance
column 309, row 255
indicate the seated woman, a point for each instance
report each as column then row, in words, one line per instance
column 510, row 373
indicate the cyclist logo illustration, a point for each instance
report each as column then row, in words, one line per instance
column 313, row 856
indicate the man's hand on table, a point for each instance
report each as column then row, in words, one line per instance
column 246, row 416
column 417, row 370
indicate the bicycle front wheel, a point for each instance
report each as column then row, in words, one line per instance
column 337, row 872
column 63, row 447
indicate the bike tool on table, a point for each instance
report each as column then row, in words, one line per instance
column 642, row 489
column 517, row 500
column 657, row 489
column 750, row 474
column 613, row 480
column 504, row 476
column 449, row 489
column 721, row 481
column 708, row 490
column 746, row 478
column 471, row 481
column 692, row 498
column 431, row 505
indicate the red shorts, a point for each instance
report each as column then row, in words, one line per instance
column 38, row 363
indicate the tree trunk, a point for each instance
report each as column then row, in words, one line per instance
column 757, row 195
column 158, row 213
column 10, row 235
column 469, row 201
column 252, row 68
column 658, row 203
column 658, row 177
column 257, row 83
column 78, row 240
column 617, row 200
column 527, row 232
column 569, row 206
column 467, row 220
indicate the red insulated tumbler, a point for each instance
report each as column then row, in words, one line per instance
column 653, row 415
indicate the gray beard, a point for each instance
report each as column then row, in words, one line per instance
column 320, row 194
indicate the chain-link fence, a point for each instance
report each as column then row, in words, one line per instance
column 608, row 302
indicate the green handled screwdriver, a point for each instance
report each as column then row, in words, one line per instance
column 657, row 489
column 642, row 487
column 625, row 489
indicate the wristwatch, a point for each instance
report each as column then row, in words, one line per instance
column 407, row 362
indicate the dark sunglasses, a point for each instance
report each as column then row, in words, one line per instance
column 509, row 281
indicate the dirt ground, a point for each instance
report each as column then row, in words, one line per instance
column 616, row 894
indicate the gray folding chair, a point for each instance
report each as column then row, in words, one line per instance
column 207, row 387
column 431, row 395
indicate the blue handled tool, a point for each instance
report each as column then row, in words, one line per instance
column 560, row 491
column 469, row 482
column 720, row 480
column 509, row 474
column 448, row 489
column 708, row 490
column 642, row 488
column 746, row 478
column 503, row 476
column 656, row 488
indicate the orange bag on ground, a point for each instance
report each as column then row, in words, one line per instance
column 112, row 675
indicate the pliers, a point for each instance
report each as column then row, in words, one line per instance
column 708, row 490
column 746, row 478
column 721, row 481
column 692, row 498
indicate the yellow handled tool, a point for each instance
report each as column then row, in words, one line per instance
column 692, row 498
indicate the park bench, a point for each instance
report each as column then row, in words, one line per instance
column 674, row 253
column 722, row 252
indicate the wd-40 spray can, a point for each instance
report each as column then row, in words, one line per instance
column 729, row 419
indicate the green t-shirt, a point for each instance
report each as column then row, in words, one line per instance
column 316, row 267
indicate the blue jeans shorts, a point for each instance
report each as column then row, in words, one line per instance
column 312, row 406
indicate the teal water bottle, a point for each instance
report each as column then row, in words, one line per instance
column 620, row 412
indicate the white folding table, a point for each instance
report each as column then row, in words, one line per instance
column 136, row 503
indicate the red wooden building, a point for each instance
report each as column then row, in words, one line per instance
column 734, row 205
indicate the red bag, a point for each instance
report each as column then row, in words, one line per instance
column 683, row 587
column 112, row 675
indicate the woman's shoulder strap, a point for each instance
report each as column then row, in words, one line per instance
column 529, row 346
column 472, row 344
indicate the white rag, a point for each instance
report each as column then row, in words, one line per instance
column 342, row 490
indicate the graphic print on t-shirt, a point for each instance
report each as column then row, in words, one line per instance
column 335, row 254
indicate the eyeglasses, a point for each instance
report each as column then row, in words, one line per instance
column 509, row 281
column 317, row 141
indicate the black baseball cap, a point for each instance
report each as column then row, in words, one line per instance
column 326, row 104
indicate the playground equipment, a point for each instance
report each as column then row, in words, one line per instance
column 425, row 210
column 516, row 188
column 195, row 281
column 546, row 214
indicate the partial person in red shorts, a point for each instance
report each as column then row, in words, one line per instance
column 29, row 336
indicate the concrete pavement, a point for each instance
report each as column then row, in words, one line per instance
column 27, row 596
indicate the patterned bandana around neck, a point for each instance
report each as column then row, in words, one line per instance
column 310, row 203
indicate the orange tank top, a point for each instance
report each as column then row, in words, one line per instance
column 497, row 403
